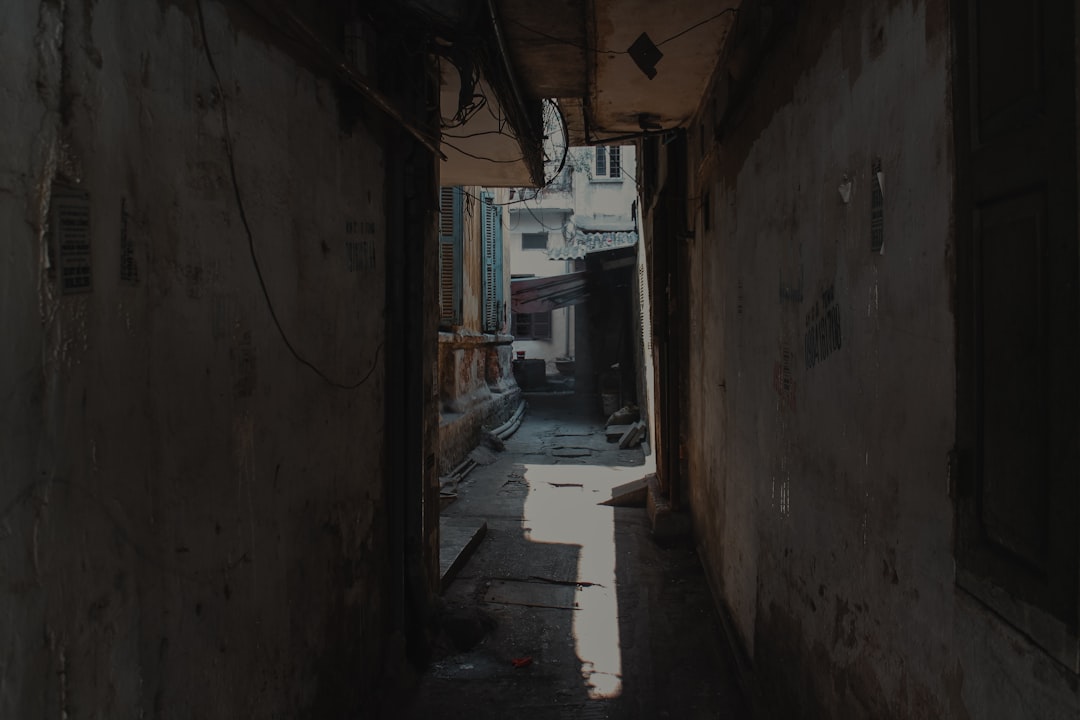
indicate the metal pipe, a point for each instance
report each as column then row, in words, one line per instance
column 506, row 64
column 347, row 74
column 567, row 315
column 507, row 428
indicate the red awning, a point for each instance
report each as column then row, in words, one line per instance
column 531, row 295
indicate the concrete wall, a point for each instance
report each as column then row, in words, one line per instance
column 819, row 479
column 190, row 518
column 536, row 262
column 557, row 212
column 600, row 195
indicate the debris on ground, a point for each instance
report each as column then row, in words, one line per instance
column 614, row 432
column 482, row 455
column 625, row 415
column 633, row 435
column 492, row 441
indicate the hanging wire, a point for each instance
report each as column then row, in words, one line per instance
column 250, row 235
column 602, row 51
column 695, row 26
column 481, row 157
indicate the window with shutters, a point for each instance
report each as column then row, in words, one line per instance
column 450, row 232
column 531, row 326
column 1018, row 318
column 493, row 267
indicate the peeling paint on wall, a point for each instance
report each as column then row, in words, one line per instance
column 816, row 490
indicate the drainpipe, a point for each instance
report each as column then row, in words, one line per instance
column 568, row 314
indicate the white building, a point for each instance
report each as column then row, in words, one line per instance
column 589, row 207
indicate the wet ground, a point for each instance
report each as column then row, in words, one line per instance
column 569, row 608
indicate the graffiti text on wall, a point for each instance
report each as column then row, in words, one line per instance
column 783, row 379
column 823, row 333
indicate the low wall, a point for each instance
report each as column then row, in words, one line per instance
column 476, row 390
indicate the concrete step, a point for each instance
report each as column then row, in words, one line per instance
column 666, row 523
column 631, row 494
column 458, row 538
column 615, row 432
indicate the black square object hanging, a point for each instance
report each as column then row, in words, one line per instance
column 645, row 53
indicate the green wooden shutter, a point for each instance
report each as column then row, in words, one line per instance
column 492, row 242
column 500, row 298
column 450, row 230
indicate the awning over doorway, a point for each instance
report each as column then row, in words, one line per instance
column 532, row 295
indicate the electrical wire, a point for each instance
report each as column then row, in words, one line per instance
column 480, row 157
column 547, row 183
column 630, row 177
column 541, row 222
column 469, row 73
column 564, row 41
column 250, row 235
column 300, row 32
column 602, row 51
column 466, row 136
column 699, row 24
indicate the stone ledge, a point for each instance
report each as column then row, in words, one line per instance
column 458, row 538
column 469, row 339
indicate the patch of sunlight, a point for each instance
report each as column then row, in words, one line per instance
column 563, row 507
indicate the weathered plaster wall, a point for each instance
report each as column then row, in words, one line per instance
column 476, row 382
column 487, row 403
column 602, row 196
column 823, row 381
column 189, row 517
column 525, row 218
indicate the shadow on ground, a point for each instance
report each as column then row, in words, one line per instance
column 568, row 608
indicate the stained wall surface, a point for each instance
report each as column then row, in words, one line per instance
column 476, row 385
column 188, row 513
column 823, row 380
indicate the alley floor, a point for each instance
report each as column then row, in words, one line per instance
column 569, row 608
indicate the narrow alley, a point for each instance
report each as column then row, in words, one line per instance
column 273, row 270
column 570, row 608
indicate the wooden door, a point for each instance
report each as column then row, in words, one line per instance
column 1017, row 310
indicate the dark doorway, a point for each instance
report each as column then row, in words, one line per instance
column 1017, row 314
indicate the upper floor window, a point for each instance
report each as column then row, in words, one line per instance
column 608, row 162
column 534, row 241
column 531, row 326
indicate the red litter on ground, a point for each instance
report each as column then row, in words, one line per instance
column 521, row 661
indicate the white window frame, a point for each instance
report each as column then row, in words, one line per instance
column 607, row 163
